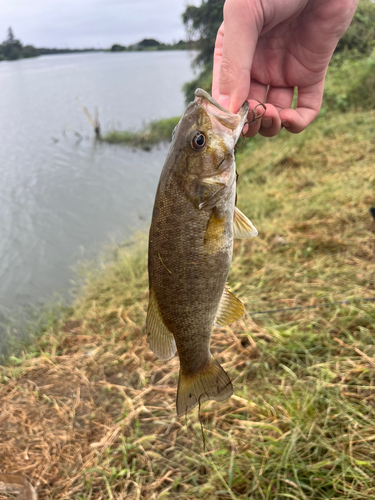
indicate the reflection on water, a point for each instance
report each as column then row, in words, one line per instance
column 58, row 195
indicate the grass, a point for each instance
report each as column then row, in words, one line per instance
column 87, row 412
column 151, row 134
column 350, row 83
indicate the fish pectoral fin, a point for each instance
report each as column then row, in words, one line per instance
column 210, row 192
column 242, row 226
column 206, row 192
column 230, row 309
column 212, row 382
column 161, row 340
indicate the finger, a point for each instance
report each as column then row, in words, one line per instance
column 257, row 94
column 242, row 24
column 253, row 124
column 218, row 53
column 309, row 102
column 271, row 123
column 257, row 91
column 280, row 97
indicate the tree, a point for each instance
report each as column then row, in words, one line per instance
column 202, row 24
column 117, row 48
column 10, row 38
column 360, row 36
column 29, row 51
column 148, row 42
column 12, row 49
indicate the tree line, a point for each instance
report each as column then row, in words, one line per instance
column 12, row 49
column 150, row 44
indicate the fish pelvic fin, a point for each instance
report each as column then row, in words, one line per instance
column 242, row 226
column 161, row 340
column 230, row 309
column 212, row 382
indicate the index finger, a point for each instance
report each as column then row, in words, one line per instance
column 218, row 53
column 234, row 51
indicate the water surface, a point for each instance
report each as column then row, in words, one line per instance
column 62, row 198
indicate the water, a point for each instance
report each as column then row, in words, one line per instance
column 62, row 199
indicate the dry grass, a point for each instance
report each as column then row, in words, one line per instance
column 87, row 412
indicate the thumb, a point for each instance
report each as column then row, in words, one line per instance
column 234, row 51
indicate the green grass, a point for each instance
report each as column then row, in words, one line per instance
column 350, row 83
column 89, row 413
column 153, row 133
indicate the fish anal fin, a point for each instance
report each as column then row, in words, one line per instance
column 212, row 382
column 161, row 340
column 230, row 309
column 242, row 226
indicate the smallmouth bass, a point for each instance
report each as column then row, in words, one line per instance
column 190, row 248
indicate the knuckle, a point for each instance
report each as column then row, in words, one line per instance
column 230, row 72
column 227, row 68
column 227, row 72
column 244, row 11
column 237, row 8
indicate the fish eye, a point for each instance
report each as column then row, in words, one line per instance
column 199, row 141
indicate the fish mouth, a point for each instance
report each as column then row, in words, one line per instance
column 223, row 121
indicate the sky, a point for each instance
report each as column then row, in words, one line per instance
column 92, row 23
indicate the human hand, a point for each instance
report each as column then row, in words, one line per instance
column 279, row 45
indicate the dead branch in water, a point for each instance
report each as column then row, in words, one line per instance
column 94, row 122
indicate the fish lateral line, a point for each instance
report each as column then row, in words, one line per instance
column 161, row 260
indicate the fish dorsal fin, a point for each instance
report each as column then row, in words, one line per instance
column 161, row 340
column 242, row 226
column 230, row 309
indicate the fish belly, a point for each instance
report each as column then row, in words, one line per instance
column 189, row 258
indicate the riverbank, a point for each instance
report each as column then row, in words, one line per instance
column 149, row 135
column 96, row 409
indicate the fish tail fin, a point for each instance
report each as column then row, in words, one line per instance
column 212, row 382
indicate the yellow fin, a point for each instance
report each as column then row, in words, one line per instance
column 214, row 238
column 161, row 340
column 242, row 226
column 230, row 309
column 210, row 383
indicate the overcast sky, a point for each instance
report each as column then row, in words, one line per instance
column 92, row 23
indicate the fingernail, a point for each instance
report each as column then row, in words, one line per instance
column 285, row 124
column 224, row 100
column 254, row 122
column 267, row 122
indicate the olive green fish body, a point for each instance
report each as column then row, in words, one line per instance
column 187, row 272
column 190, row 249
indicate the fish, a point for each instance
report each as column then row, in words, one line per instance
column 191, row 235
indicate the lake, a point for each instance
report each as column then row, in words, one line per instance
column 63, row 199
